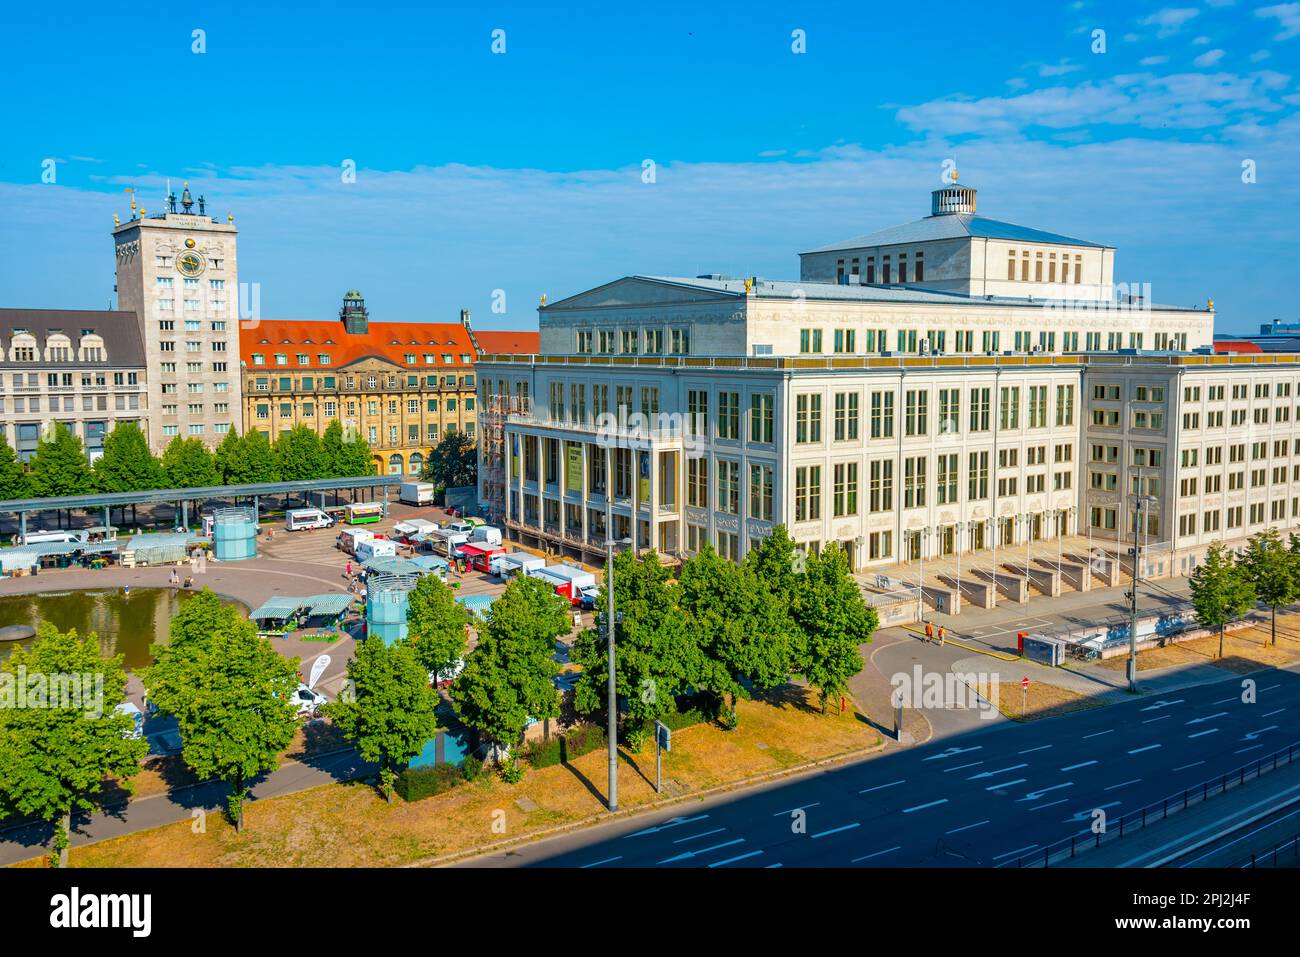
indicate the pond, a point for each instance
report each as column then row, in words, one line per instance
column 126, row 624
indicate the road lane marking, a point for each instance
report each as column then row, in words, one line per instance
column 878, row 787
column 867, row 857
column 1116, row 787
column 1201, row 734
column 686, row 855
column 1052, row 804
column 1163, row 704
column 1225, row 700
column 1270, row 687
column 732, row 860
column 960, row 766
column 716, row 830
column 1271, row 713
column 1041, row 747
column 1098, row 734
column 1149, row 747
column 801, row 808
column 1083, row 765
column 1018, row 850
column 1186, row 766
column 1080, row 815
column 675, row 822
column 1161, row 718
column 989, row 774
column 1006, row 784
column 1251, row 748
column 1208, row 717
column 1252, row 735
column 836, row 830
column 958, row 830
column 922, row 807
column 608, row 860
column 1035, row 795
column 951, row 752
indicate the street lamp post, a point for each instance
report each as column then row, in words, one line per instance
column 611, row 691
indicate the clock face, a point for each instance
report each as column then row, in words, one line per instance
column 190, row 264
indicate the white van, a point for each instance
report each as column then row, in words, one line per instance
column 350, row 538
column 297, row 519
column 369, row 548
column 62, row 538
column 416, row 493
column 486, row 535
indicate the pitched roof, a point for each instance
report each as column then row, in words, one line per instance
column 954, row 226
column 119, row 330
column 503, row 341
column 391, row 341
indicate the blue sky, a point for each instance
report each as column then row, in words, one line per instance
column 522, row 171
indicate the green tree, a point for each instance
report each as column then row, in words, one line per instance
column 333, row 450
column 228, row 456
column 13, row 480
column 298, row 455
column 54, row 759
column 453, row 463
column 187, row 463
column 231, row 695
column 435, row 625
column 656, row 656
column 509, row 677
column 59, row 465
column 356, row 460
column 1221, row 592
column 773, row 560
column 743, row 630
column 828, row 609
column 389, row 713
column 1274, row 571
column 255, row 462
column 127, row 464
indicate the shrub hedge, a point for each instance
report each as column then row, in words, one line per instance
column 415, row 784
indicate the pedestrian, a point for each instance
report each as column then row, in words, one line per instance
column 942, row 632
column 929, row 631
column 349, row 570
column 174, row 578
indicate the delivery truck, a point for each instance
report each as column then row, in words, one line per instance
column 569, row 580
column 415, row 493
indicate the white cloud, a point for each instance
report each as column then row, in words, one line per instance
column 1208, row 58
column 1060, row 68
column 1180, row 101
column 1200, row 41
column 1153, row 60
column 1259, row 55
column 1287, row 15
column 1169, row 20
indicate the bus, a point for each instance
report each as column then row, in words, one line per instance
column 363, row 513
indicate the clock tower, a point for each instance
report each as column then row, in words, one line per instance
column 177, row 271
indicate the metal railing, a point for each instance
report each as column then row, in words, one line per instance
column 1069, row 847
column 1273, row 856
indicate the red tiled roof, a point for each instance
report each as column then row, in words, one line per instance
column 509, row 341
column 1235, row 345
column 392, row 341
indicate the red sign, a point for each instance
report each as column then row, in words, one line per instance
column 1024, row 682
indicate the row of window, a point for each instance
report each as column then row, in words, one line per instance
column 1232, row 518
column 324, row 359
column 68, row 403
column 372, row 407
column 67, row 380
column 370, row 383
column 936, row 341
column 888, row 275
column 653, row 341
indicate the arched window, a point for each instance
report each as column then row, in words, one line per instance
column 395, row 464
column 417, row 463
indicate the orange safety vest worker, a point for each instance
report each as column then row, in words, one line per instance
column 929, row 631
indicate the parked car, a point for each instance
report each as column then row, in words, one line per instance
column 590, row 595
column 307, row 700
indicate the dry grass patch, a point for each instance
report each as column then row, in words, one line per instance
column 1245, row 650
column 1040, row 700
column 338, row 825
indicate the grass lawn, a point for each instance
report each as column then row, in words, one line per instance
column 339, row 825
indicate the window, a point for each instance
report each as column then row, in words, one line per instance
column 881, row 485
column 729, row 415
column 846, row 416
column 760, row 417
column 808, row 419
column 882, row 415
column 728, row 486
column 697, row 482
column 946, row 488
column 845, row 493
column 979, row 410
column 807, row 493
column 810, row 341
column 1009, row 410
column 760, row 492
column 915, row 412
column 914, row 481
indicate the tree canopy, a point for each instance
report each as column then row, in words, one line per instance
column 435, row 626
column 389, row 714
column 55, row 758
column 453, row 463
column 1274, row 570
column 1221, row 592
column 127, row 465
column 230, row 692
column 59, row 465
column 299, row 455
column 188, row 463
column 13, row 480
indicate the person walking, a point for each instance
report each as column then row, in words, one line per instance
column 929, row 631
column 942, row 633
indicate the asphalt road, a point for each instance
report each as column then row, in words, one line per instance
column 983, row 798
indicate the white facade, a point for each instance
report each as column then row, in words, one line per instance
column 178, row 273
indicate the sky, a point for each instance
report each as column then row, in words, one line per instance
column 506, row 151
